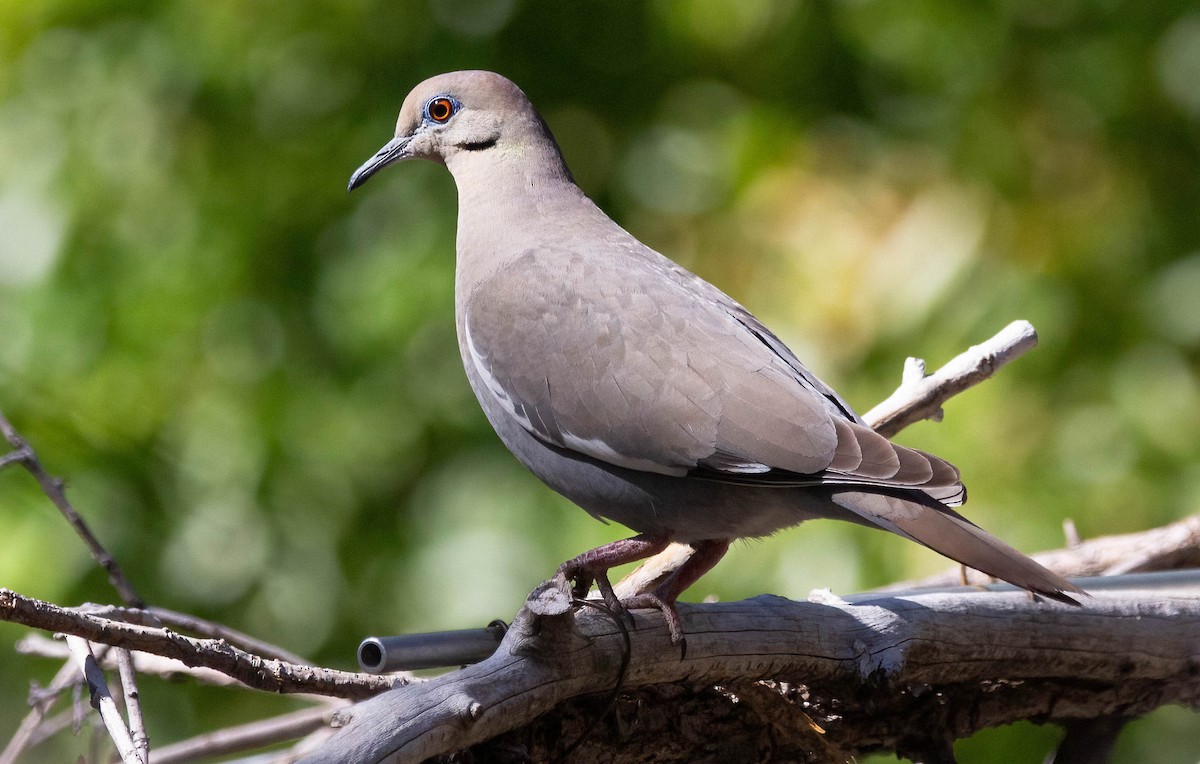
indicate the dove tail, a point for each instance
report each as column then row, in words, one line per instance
column 932, row 524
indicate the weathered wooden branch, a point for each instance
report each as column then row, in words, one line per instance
column 921, row 668
column 143, row 663
column 133, row 704
column 102, row 700
column 248, row 736
column 40, row 704
column 24, row 455
column 921, row 397
column 252, row 670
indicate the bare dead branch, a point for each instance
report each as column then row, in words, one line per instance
column 647, row 576
column 133, row 706
column 24, row 455
column 212, row 630
column 252, row 670
column 243, row 738
column 248, row 737
column 41, row 705
column 52, row 726
column 159, row 617
column 307, row 745
column 143, row 663
column 1000, row 655
column 921, row 397
column 102, row 700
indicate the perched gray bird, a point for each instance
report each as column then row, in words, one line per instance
column 640, row 391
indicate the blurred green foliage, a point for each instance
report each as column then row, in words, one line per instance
column 250, row 379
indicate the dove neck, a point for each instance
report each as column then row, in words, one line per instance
column 510, row 203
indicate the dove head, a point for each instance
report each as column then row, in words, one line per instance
column 464, row 119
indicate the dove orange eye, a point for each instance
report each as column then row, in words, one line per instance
column 440, row 109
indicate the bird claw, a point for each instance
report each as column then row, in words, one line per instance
column 579, row 573
column 654, row 601
column 575, row 578
column 579, row 581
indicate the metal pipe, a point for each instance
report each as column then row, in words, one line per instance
column 407, row 652
column 1181, row 582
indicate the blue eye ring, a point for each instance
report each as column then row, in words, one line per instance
column 440, row 109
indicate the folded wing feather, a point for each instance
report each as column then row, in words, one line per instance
column 653, row 374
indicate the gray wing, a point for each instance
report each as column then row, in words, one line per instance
column 645, row 366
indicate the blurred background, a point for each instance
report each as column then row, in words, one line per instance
column 250, row 379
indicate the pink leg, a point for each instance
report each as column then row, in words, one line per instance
column 707, row 554
column 593, row 565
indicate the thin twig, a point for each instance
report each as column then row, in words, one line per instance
column 102, row 699
column 53, row 725
column 41, row 702
column 252, row 670
column 231, row 740
column 143, row 663
column 133, row 706
column 307, row 745
column 921, row 397
column 162, row 617
column 24, row 455
column 248, row 737
column 1070, row 532
column 214, row 630
column 647, row 576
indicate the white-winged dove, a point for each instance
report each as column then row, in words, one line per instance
column 640, row 391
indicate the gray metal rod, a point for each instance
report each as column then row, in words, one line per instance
column 1174, row 582
column 408, row 652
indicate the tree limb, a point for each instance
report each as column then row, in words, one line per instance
column 102, row 700
column 158, row 616
column 133, row 705
column 921, row 397
column 143, row 663
column 252, row 670
column 24, row 455
column 41, row 702
column 997, row 653
column 249, row 736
